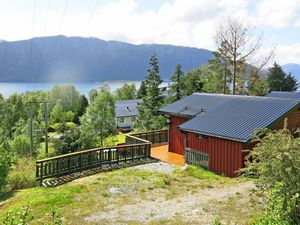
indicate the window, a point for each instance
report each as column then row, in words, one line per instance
column 121, row 120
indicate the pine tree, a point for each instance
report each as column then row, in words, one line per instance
column 142, row 90
column 177, row 86
column 148, row 117
column 278, row 80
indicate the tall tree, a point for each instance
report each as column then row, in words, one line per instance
column 177, row 85
column 236, row 44
column 193, row 82
column 220, row 66
column 278, row 80
column 257, row 84
column 126, row 92
column 99, row 119
column 142, row 90
column 93, row 94
column 148, row 117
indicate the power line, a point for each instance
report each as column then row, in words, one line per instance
column 44, row 41
column 85, row 28
column 31, row 40
column 59, row 31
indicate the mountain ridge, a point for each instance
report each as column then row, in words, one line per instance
column 79, row 59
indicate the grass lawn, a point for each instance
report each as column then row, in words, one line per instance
column 114, row 140
column 136, row 196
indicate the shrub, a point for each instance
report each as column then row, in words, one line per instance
column 5, row 163
column 22, row 175
column 21, row 145
column 275, row 161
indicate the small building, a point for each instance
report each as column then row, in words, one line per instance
column 126, row 113
column 284, row 94
column 212, row 130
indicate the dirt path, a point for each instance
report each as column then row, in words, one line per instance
column 195, row 206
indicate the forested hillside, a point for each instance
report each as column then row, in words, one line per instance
column 76, row 59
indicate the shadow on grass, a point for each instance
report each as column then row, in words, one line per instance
column 6, row 195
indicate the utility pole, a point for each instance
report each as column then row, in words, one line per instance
column 44, row 118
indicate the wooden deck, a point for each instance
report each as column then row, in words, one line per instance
column 162, row 153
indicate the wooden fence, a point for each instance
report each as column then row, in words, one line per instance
column 134, row 149
column 157, row 137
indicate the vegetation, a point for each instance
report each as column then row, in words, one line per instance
column 113, row 192
column 99, row 120
column 126, row 92
column 148, row 117
column 275, row 161
column 236, row 45
column 176, row 88
column 278, row 80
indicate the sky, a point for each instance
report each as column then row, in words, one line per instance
column 178, row 22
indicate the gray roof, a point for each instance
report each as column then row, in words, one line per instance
column 282, row 94
column 127, row 107
column 229, row 116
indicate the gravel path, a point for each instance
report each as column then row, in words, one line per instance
column 160, row 167
column 190, row 206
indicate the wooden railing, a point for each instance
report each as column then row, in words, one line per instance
column 197, row 158
column 135, row 148
column 157, row 137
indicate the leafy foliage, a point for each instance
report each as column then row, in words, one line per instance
column 257, row 83
column 275, row 160
column 99, row 120
column 22, row 174
column 126, row 92
column 5, row 164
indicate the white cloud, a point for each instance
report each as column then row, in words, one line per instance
column 288, row 53
column 181, row 22
column 277, row 13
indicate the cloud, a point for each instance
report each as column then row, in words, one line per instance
column 179, row 22
column 277, row 13
column 288, row 54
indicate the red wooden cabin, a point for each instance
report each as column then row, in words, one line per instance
column 212, row 130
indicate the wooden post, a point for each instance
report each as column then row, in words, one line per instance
column 46, row 128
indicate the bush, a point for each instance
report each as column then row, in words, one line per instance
column 5, row 164
column 21, row 145
column 22, row 175
column 275, row 161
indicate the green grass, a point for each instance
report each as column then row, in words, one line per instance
column 114, row 140
column 93, row 194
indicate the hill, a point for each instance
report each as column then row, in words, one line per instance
column 292, row 68
column 77, row 59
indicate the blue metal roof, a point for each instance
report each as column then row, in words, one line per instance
column 282, row 94
column 230, row 116
column 127, row 107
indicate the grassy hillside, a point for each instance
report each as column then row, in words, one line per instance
column 138, row 196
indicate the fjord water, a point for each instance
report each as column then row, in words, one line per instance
column 7, row 89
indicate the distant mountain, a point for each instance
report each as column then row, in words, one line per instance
column 76, row 59
column 292, row 68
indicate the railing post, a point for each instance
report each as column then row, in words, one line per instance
column 57, row 167
column 109, row 156
column 41, row 180
column 80, row 162
column 69, row 165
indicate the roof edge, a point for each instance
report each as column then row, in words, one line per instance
column 213, row 135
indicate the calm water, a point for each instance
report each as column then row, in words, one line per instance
column 7, row 89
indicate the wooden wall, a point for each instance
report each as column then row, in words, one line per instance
column 225, row 156
column 176, row 138
column 293, row 121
